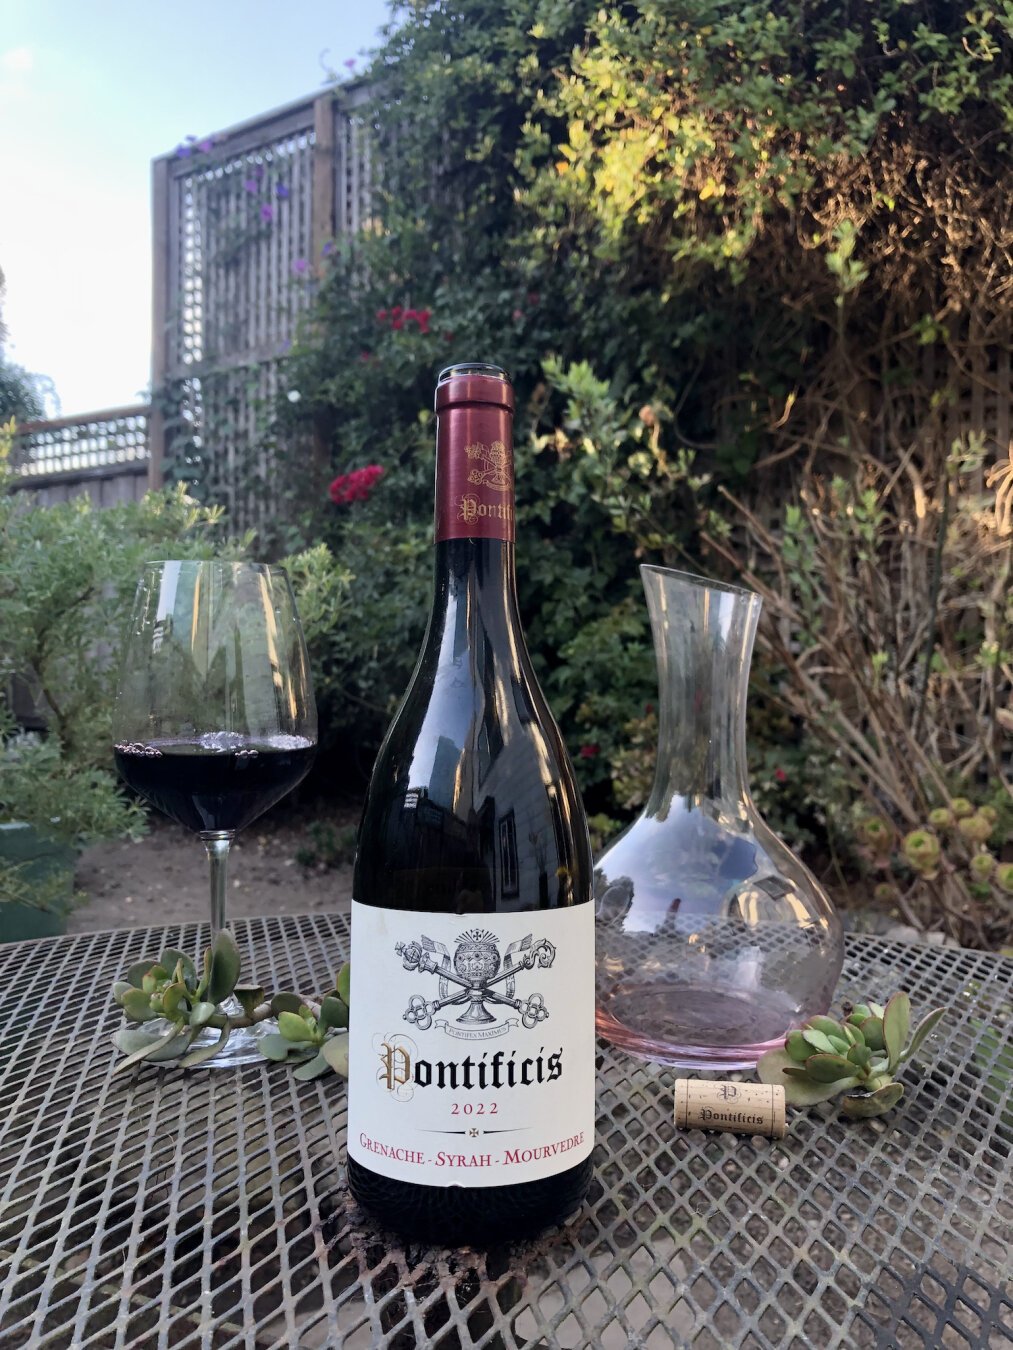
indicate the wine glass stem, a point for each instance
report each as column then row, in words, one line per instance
column 217, row 842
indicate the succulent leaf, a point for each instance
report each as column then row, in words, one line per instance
column 201, row 1013
column 275, row 1047
column 860, row 1055
column 147, row 1051
column 137, row 1006
column 312, row 1068
column 797, row 1046
column 825, row 1024
column 335, row 1051
column 250, row 997
column 130, row 1039
column 205, row 1052
column 137, row 972
column 333, row 1013
column 285, row 1002
column 872, row 1030
column 896, row 1024
column 829, row 1068
column 225, row 967
column 171, row 958
column 294, row 1028
column 873, row 1103
column 922, row 1030
column 120, row 988
column 819, row 1042
column 343, row 984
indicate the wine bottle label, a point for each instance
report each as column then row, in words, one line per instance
column 475, row 473
column 471, row 1044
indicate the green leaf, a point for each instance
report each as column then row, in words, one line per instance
column 293, row 1027
column 797, row 1047
column 285, row 1002
column 137, row 1006
column 896, row 1024
column 877, row 1010
column 273, row 1046
column 205, row 1052
column 251, row 996
column 119, row 989
column 173, row 998
column 148, row 1050
column 872, row 1030
column 202, row 1013
column 343, row 984
column 873, row 1103
column 128, row 1040
column 225, row 966
column 819, row 1042
column 312, row 1068
column 840, row 1043
column 859, row 1013
column 205, row 978
column 778, row 1068
column 333, row 1013
column 137, row 972
column 860, row 1055
column 335, row 1051
column 829, row 1068
column 924, row 1028
column 171, row 958
column 825, row 1024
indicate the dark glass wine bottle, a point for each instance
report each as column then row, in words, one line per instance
column 471, row 1081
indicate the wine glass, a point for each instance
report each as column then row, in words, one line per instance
column 215, row 719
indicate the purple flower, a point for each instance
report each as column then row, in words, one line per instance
column 282, row 191
column 327, row 249
column 299, row 266
column 191, row 139
column 251, row 185
column 350, row 63
column 267, row 212
column 183, row 151
column 206, row 144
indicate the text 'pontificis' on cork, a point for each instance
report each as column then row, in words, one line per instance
column 742, row 1108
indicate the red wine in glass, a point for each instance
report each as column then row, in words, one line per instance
column 215, row 719
column 220, row 781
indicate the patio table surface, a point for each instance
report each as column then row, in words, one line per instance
column 209, row 1209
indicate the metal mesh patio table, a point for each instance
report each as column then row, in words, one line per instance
column 208, row 1208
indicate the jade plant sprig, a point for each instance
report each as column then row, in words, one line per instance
column 858, row 1055
column 172, row 990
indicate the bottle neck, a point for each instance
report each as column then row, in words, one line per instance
column 474, row 473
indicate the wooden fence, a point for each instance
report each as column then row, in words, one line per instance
column 103, row 454
column 243, row 222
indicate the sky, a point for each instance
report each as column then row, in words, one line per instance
column 90, row 93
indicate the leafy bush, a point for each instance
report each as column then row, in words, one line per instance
column 716, row 248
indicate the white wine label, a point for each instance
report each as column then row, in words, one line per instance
column 471, row 1044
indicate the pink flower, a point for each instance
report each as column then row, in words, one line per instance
column 251, row 185
column 267, row 212
column 588, row 751
column 422, row 319
column 355, row 486
column 518, row 314
column 299, row 266
column 381, row 316
column 780, row 776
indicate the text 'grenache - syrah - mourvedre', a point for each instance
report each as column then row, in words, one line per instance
column 471, row 1052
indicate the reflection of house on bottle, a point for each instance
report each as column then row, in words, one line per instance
column 517, row 849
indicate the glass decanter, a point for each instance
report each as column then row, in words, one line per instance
column 713, row 939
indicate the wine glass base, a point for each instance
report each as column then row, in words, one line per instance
column 242, row 1047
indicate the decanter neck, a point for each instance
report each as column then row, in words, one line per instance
column 703, row 643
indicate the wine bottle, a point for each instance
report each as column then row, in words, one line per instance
column 471, row 1044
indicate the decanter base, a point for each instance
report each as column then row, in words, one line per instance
column 694, row 1027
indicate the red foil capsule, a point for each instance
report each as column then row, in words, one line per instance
column 474, row 454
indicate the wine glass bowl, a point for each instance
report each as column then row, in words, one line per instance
column 215, row 719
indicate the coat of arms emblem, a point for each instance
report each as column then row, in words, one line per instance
column 478, row 980
column 490, row 465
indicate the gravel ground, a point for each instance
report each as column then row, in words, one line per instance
column 164, row 877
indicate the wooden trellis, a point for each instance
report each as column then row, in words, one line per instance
column 243, row 222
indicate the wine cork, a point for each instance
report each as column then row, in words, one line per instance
column 743, row 1108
